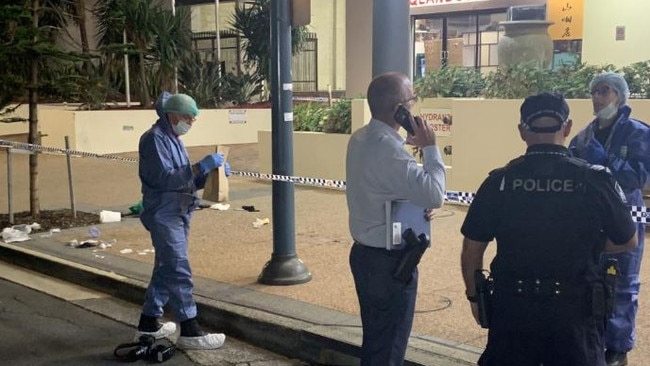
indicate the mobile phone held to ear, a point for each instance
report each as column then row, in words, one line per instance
column 403, row 117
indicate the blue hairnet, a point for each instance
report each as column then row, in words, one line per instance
column 181, row 104
column 616, row 82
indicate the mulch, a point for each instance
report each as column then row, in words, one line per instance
column 51, row 219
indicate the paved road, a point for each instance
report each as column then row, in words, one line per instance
column 53, row 323
column 39, row 329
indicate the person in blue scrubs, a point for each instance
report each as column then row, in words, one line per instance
column 622, row 144
column 169, row 185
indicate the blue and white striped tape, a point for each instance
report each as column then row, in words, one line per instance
column 639, row 214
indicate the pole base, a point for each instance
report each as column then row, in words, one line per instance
column 288, row 270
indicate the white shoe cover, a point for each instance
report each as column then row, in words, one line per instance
column 208, row 341
column 167, row 329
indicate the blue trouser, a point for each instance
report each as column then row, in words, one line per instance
column 387, row 305
column 620, row 333
column 171, row 280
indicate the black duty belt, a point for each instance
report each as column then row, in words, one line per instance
column 542, row 287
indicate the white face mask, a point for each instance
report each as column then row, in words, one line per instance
column 607, row 112
column 181, row 128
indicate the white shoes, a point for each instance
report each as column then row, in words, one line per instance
column 208, row 341
column 167, row 329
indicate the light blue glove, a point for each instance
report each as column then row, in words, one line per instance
column 226, row 169
column 595, row 154
column 210, row 162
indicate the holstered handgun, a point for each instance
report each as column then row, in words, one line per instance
column 415, row 247
column 611, row 273
column 483, row 293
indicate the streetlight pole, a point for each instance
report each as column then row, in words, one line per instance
column 284, row 268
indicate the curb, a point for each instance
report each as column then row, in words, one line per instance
column 310, row 333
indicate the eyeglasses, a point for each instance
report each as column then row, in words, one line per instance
column 603, row 92
column 410, row 100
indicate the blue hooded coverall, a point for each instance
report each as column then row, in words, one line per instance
column 627, row 154
column 169, row 197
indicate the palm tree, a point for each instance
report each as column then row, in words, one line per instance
column 159, row 39
column 171, row 44
column 254, row 24
column 133, row 17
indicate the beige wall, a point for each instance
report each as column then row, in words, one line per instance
column 358, row 41
column 315, row 154
column 328, row 22
column 15, row 128
column 104, row 132
column 55, row 124
column 484, row 137
column 120, row 131
column 203, row 17
column 601, row 19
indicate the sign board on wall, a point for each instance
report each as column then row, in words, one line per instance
column 415, row 3
column 567, row 16
column 436, row 118
column 237, row 116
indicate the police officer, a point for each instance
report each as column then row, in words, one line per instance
column 552, row 215
column 622, row 144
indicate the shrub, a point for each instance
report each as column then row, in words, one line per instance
column 339, row 117
column 241, row 89
column 518, row 81
column 637, row 76
column 573, row 80
column 202, row 80
column 452, row 81
column 308, row 116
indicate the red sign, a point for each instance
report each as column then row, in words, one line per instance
column 438, row 119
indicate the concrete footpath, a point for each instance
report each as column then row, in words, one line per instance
column 289, row 327
column 317, row 322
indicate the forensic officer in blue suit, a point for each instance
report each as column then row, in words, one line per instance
column 169, row 185
column 622, row 144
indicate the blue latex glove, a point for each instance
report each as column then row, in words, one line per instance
column 210, row 162
column 595, row 154
column 226, row 169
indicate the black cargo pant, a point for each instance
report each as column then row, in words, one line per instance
column 548, row 331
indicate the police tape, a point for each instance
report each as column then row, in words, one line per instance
column 451, row 196
column 639, row 214
column 60, row 151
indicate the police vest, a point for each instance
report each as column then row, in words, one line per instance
column 549, row 226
